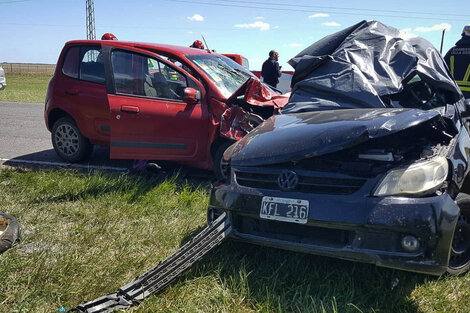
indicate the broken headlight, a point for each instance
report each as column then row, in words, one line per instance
column 414, row 179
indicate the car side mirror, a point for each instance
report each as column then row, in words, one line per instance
column 191, row 95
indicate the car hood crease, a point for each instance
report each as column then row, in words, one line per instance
column 284, row 138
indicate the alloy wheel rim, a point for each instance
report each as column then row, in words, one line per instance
column 67, row 140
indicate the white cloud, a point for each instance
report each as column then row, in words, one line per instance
column 293, row 45
column 259, row 18
column 407, row 33
column 276, row 27
column 331, row 24
column 318, row 15
column 190, row 32
column 258, row 24
column 196, row 18
column 437, row 27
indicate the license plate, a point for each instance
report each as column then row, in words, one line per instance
column 283, row 209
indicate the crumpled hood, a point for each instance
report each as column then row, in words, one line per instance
column 292, row 137
column 235, row 121
column 255, row 93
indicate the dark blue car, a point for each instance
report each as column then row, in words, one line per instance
column 368, row 161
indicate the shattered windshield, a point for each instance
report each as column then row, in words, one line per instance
column 418, row 93
column 227, row 75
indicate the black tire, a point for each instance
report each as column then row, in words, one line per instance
column 221, row 167
column 459, row 262
column 10, row 234
column 68, row 142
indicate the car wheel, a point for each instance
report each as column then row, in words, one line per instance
column 459, row 262
column 221, row 167
column 68, row 142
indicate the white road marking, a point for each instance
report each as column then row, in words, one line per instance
column 109, row 168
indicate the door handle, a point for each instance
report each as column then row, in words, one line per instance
column 130, row 109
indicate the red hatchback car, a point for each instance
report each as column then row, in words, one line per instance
column 153, row 102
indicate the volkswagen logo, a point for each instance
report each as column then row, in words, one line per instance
column 288, row 180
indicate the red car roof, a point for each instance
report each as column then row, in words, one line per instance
column 144, row 45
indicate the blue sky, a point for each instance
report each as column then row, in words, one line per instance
column 36, row 30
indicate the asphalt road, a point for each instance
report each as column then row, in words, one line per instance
column 25, row 140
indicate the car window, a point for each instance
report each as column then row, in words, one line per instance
column 140, row 75
column 70, row 65
column 91, row 65
column 178, row 63
column 227, row 75
column 420, row 93
column 84, row 63
column 245, row 63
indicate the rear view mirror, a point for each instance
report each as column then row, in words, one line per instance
column 191, row 95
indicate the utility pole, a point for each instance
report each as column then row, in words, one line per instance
column 90, row 20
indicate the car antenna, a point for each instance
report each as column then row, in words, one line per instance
column 442, row 39
column 208, row 50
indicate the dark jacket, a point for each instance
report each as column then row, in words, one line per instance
column 271, row 72
column 458, row 60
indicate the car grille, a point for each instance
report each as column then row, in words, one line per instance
column 318, row 236
column 307, row 183
column 304, row 234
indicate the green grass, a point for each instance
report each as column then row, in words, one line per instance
column 86, row 235
column 25, row 88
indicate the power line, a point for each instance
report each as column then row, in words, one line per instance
column 285, row 7
column 156, row 28
column 46, row 25
column 15, row 1
column 305, row 11
column 344, row 8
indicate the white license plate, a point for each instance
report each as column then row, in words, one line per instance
column 283, row 209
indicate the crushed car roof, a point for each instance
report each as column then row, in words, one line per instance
column 361, row 66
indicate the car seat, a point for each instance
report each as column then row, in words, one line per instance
column 161, row 85
column 149, row 89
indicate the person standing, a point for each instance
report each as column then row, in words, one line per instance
column 458, row 60
column 271, row 71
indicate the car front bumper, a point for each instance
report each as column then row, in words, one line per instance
column 365, row 229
